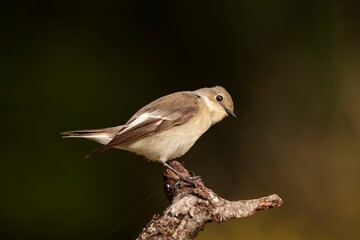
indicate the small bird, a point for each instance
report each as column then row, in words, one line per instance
column 166, row 128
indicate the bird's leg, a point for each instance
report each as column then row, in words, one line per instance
column 186, row 179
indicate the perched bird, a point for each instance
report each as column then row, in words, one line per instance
column 166, row 128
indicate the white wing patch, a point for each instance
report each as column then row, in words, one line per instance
column 139, row 120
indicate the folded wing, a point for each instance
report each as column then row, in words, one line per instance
column 154, row 118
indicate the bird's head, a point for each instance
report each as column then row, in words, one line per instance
column 218, row 101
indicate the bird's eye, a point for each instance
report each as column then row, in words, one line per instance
column 219, row 98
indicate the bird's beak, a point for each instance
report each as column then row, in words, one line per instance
column 230, row 113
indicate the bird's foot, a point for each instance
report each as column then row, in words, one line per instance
column 188, row 179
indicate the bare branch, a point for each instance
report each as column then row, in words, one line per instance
column 193, row 206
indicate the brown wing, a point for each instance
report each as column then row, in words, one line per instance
column 162, row 114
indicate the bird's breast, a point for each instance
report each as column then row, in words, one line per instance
column 171, row 143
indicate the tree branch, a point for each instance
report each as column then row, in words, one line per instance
column 193, row 206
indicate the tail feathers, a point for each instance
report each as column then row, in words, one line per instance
column 85, row 133
column 82, row 133
column 103, row 136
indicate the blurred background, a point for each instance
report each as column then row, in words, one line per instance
column 292, row 67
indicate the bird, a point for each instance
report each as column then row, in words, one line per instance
column 166, row 128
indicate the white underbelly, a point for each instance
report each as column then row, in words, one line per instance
column 169, row 144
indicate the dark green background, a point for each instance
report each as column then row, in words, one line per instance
column 292, row 67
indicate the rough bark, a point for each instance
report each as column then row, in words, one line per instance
column 193, row 206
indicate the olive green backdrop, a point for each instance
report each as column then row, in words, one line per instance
column 292, row 67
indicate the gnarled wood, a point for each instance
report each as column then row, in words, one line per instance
column 193, row 206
